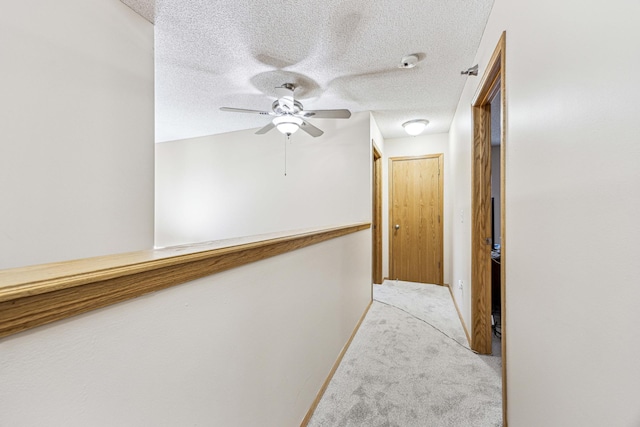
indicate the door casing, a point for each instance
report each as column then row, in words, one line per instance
column 377, row 216
column 493, row 81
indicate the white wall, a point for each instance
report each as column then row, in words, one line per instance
column 250, row 346
column 76, row 123
column 572, row 209
column 376, row 135
column 417, row 146
column 233, row 184
column 276, row 331
column 247, row 347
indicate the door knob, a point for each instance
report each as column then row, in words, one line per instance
column 397, row 227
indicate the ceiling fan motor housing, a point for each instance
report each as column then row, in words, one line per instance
column 280, row 108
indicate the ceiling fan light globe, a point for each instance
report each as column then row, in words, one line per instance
column 287, row 125
column 415, row 127
column 287, row 128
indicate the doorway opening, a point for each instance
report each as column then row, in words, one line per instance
column 488, row 230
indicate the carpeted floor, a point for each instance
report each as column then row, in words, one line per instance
column 410, row 365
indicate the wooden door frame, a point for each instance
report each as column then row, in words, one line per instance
column 440, row 157
column 377, row 216
column 492, row 81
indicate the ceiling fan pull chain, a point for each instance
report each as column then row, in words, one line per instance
column 287, row 138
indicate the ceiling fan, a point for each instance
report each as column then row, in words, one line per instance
column 289, row 115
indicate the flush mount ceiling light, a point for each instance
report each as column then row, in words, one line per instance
column 287, row 124
column 415, row 127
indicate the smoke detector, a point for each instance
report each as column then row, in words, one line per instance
column 409, row 61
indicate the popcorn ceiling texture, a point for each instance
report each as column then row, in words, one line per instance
column 342, row 54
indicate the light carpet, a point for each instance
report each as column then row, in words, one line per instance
column 409, row 365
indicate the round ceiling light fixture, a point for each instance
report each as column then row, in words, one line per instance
column 415, row 127
column 287, row 124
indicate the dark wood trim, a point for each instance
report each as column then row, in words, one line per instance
column 316, row 401
column 37, row 295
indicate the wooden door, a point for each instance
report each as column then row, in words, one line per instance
column 416, row 236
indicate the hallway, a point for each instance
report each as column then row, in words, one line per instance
column 410, row 365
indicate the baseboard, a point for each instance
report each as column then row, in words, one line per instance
column 315, row 403
column 464, row 325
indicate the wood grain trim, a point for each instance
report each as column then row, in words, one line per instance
column 441, row 214
column 25, row 304
column 494, row 70
column 464, row 325
column 480, row 231
column 391, row 267
column 316, row 401
column 377, row 215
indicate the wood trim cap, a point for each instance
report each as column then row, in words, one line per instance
column 34, row 296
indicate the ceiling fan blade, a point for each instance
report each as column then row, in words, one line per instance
column 285, row 96
column 265, row 129
column 326, row 114
column 310, row 129
column 243, row 110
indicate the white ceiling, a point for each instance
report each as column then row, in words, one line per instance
column 340, row 53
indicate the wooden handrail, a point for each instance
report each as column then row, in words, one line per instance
column 36, row 295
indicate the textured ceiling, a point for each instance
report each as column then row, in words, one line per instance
column 340, row 53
